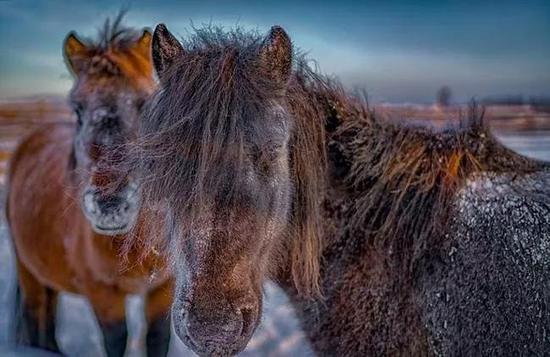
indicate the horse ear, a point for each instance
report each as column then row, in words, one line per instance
column 276, row 55
column 74, row 51
column 143, row 44
column 166, row 49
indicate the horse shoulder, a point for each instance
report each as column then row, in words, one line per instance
column 487, row 292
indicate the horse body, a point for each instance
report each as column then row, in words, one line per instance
column 389, row 239
column 47, row 171
column 70, row 213
column 488, row 294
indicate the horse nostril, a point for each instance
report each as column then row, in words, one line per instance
column 110, row 203
column 110, row 122
column 248, row 316
column 106, row 118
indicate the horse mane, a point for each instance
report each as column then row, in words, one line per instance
column 402, row 180
column 309, row 170
column 198, row 143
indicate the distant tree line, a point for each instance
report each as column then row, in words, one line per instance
column 536, row 101
column 443, row 98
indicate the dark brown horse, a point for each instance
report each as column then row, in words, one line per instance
column 390, row 240
column 67, row 219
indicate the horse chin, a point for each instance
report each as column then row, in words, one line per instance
column 111, row 231
column 112, row 215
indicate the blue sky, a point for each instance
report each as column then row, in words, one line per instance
column 398, row 51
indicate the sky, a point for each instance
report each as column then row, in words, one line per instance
column 398, row 51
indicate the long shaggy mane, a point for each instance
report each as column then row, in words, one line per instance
column 401, row 180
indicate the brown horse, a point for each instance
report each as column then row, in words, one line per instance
column 66, row 218
column 390, row 239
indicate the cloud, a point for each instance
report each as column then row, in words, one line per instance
column 399, row 51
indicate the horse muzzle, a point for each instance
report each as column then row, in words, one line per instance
column 222, row 329
column 111, row 214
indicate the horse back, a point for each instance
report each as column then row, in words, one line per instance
column 489, row 291
column 40, row 209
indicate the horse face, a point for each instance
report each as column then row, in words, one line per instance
column 241, row 211
column 228, row 250
column 106, row 119
column 107, row 97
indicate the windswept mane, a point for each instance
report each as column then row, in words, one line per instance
column 212, row 105
column 402, row 180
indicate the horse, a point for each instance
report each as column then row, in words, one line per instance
column 390, row 239
column 69, row 215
